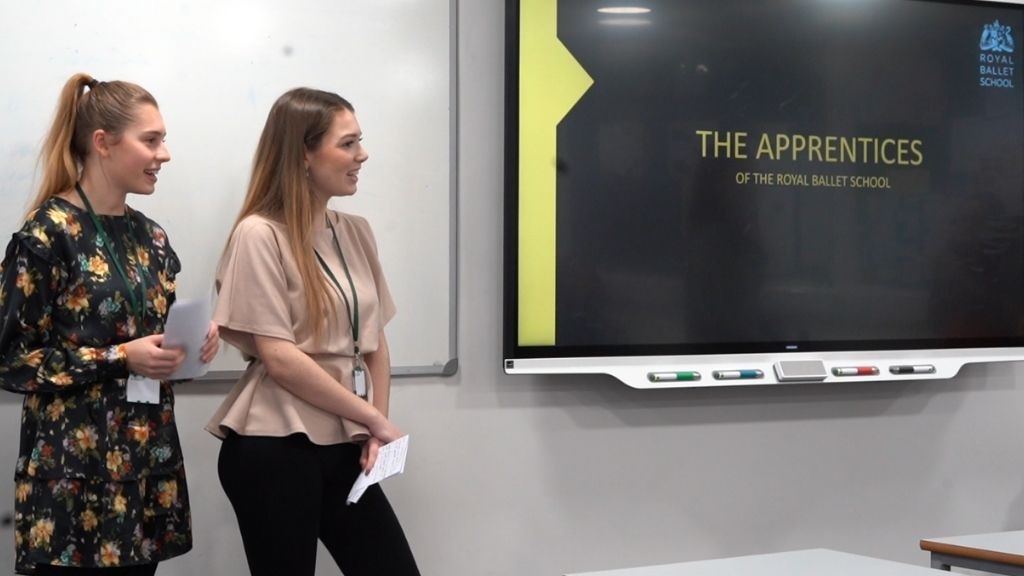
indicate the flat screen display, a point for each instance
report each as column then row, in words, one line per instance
column 783, row 176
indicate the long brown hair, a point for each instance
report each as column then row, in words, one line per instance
column 108, row 106
column 279, row 188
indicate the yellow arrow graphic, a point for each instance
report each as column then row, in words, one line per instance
column 551, row 81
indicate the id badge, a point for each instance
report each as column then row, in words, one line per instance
column 143, row 390
column 359, row 381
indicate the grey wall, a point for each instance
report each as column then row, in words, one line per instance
column 545, row 475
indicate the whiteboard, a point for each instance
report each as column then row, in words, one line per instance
column 216, row 68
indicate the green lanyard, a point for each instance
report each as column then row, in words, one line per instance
column 138, row 310
column 353, row 310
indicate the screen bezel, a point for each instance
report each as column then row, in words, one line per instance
column 562, row 358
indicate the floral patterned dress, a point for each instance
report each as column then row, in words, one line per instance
column 99, row 480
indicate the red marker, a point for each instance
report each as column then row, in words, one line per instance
column 856, row 371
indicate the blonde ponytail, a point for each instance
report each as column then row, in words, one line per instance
column 107, row 106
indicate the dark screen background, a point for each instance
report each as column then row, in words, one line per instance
column 658, row 246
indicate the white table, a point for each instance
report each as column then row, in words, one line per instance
column 816, row 562
column 1000, row 552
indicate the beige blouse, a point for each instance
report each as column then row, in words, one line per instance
column 260, row 292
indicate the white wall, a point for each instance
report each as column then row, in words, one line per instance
column 545, row 475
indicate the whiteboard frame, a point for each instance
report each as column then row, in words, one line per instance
column 451, row 365
column 441, row 357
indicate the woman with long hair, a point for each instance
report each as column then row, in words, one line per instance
column 85, row 289
column 303, row 296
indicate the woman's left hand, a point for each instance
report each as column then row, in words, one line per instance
column 369, row 456
column 211, row 346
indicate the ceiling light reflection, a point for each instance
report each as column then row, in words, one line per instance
column 624, row 10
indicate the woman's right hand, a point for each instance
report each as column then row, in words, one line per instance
column 146, row 358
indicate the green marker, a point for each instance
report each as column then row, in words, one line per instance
column 673, row 376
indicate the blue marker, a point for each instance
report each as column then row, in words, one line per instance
column 737, row 374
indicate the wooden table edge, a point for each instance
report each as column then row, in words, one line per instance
column 975, row 553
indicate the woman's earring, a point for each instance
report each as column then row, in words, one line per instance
column 307, row 172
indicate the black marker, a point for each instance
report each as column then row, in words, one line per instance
column 915, row 369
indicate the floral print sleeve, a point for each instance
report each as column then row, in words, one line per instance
column 34, row 356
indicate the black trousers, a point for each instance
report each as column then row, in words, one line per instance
column 141, row 570
column 288, row 493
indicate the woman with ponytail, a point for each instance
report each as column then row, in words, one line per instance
column 303, row 295
column 85, row 287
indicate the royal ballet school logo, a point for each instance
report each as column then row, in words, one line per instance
column 996, row 69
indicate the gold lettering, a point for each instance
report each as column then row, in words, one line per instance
column 915, row 147
column 814, row 148
column 764, row 147
column 886, row 158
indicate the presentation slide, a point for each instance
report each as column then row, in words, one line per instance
column 725, row 176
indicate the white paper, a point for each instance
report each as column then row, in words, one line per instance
column 143, row 390
column 187, row 325
column 390, row 461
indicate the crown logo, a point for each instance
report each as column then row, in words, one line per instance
column 996, row 37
